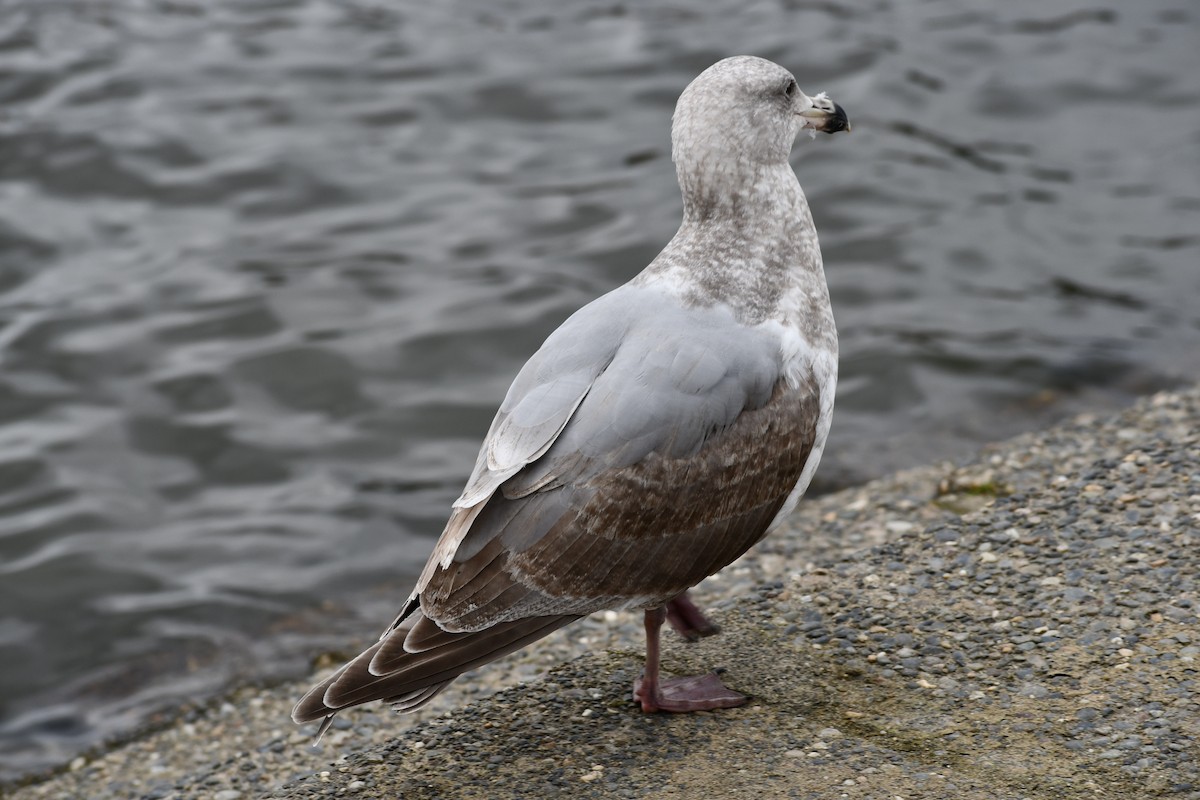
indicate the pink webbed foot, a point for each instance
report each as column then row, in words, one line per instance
column 681, row 695
column 688, row 620
column 695, row 693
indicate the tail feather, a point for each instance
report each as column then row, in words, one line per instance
column 414, row 700
column 420, row 634
column 412, row 679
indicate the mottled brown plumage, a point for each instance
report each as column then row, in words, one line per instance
column 650, row 530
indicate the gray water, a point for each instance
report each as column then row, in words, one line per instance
column 266, row 269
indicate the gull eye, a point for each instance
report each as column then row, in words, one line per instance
column 791, row 89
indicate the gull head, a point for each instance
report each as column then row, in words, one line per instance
column 746, row 110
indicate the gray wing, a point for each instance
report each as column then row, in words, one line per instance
column 542, row 399
column 669, row 468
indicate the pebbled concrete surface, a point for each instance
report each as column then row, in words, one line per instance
column 1021, row 626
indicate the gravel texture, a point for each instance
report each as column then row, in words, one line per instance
column 1023, row 626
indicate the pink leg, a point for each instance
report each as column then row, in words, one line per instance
column 688, row 620
column 695, row 693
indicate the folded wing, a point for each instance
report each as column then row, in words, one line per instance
column 613, row 477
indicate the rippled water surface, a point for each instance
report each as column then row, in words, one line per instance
column 266, row 269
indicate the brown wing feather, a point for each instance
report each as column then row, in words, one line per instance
column 644, row 532
column 672, row 522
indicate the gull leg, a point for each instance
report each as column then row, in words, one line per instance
column 688, row 620
column 693, row 693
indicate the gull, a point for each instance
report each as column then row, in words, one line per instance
column 659, row 433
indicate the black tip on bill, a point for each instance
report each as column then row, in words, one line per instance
column 837, row 121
